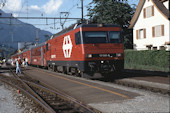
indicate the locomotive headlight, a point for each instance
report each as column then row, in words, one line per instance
column 88, row 55
column 118, row 54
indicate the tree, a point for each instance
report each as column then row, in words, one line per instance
column 113, row 12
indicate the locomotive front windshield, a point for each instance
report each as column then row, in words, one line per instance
column 92, row 37
column 95, row 37
column 114, row 37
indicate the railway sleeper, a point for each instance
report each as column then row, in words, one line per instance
column 49, row 99
column 54, row 103
column 66, row 109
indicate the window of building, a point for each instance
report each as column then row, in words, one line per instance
column 154, row 48
column 149, row 47
column 158, row 31
column 148, row 12
column 141, row 34
column 162, row 48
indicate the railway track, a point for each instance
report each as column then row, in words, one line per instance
column 15, row 83
column 47, row 99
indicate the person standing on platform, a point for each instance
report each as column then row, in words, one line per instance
column 23, row 63
column 18, row 64
column 26, row 62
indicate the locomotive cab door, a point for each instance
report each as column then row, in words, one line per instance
column 48, row 52
column 42, row 61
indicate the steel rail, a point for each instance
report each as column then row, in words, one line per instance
column 64, row 96
column 48, row 108
column 77, row 104
column 28, row 95
column 73, row 100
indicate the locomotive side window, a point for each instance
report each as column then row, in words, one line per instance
column 47, row 47
column 95, row 37
column 77, row 38
column 36, row 52
column 114, row 37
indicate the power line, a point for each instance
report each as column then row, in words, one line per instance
column 8, row 42
column 35, row 24
column 66, row 14
column 37, row 18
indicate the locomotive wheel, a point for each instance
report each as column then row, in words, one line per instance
column 65, row 70
column 84, row 75
column 77, row 73
column 54, row 68
column 68, row 70
column 49, row 68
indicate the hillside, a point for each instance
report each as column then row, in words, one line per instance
column 20, row 31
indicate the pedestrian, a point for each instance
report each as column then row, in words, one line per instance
column 12, row 62
column 26, row 62
column 18, row 64
column 23, row 63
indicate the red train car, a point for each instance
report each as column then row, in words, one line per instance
column 36, row 55
column 14, row 58
column 84, row 50
column 88, row 48
column 26, row 55
column 23, row 55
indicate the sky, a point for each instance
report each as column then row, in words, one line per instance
column 47, row 8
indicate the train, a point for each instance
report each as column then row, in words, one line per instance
column 82, row 50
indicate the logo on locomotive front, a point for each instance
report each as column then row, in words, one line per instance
column 67, row 46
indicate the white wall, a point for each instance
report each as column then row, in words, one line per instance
column 148, row 23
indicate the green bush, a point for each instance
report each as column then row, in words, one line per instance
column 157, row 60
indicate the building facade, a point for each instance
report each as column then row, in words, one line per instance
column 150, row 25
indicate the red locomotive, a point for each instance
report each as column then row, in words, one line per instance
column 85, row 49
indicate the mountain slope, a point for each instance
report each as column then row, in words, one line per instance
column 15, row 31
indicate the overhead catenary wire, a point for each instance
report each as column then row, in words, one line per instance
column 36, row 23
column 38, row 18
column 46, row 18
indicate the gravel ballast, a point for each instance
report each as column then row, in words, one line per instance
column 7, row 102
column 13, row 102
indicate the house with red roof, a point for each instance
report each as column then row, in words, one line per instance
column 150, row 25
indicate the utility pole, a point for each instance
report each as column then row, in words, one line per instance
column 82, row 11
column 12, row 38
column 65, row 14
column 37, row 38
